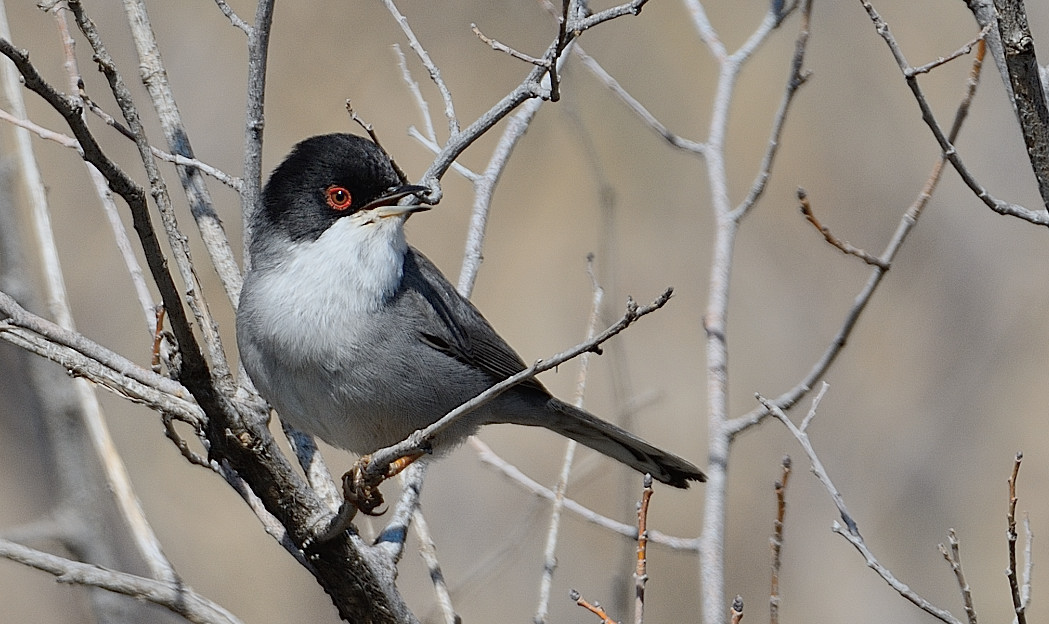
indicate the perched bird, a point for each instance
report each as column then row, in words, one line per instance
column 356, row 337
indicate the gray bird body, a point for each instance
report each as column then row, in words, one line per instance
column 356, row 337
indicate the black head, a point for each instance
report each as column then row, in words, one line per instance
column 323, row 179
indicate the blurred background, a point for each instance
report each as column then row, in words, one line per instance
column 941, row 383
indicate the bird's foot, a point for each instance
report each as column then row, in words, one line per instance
column 361, row 494
column 361, row 491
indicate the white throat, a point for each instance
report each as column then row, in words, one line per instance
column 352, row 268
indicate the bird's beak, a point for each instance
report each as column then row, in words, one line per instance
column 386, row 204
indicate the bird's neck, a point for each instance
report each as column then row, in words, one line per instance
column 352, row 268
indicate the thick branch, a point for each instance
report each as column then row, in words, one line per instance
column 1028, row 94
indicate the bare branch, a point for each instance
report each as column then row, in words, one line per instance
column 776, row 541
column 850, row 531
column 954, row 559
column 844, row 246
column 715, row 317
column 233, row 17
column 428, row 551
column 154, row 76
column 193, row 363
column 502, row 47
column 78, row 354
column 641, row 572
column 906, row 224
column 431, row 67
column 1029, row 98
column 637, row 107
column 629, row 8
column 1014, row 581
column 798, row 76
column 67, row 141
column 943, row 60
column 254, row 119
column 594, row 608
column 817, row 466
column 173, row 595
column 946, row 144
column 554, row 526
column 490, row 457
column 417, row 94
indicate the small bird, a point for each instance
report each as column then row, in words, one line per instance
column 354, row 336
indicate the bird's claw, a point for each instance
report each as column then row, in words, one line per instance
column 361, row 494
column 362, row 491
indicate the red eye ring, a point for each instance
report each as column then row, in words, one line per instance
column 339, row 198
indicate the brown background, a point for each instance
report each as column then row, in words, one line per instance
column 942, row 381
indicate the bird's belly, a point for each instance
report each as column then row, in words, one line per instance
column 358, row 387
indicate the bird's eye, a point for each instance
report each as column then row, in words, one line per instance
column 339, row 198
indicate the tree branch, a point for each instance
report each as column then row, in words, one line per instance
column 1028, row 93
column 172, row 595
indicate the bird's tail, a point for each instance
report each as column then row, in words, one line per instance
column 621, row 445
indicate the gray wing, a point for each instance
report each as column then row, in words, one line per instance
column 459, row 331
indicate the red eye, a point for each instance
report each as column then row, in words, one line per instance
column 339, row 198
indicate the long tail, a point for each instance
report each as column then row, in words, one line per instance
column 621, row 445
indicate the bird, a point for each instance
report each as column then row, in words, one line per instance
column 354, row 336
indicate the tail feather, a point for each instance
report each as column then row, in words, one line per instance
column 621, row 445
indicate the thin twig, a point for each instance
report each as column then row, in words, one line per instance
column 844, row 246
column 417, row 94
column 105, row 196
column 641, row 571
column 270, row 523
column 87, row 408
column 457, row 166
column 304, row 447
column 485, row 184
column 943, row 60
column 954, row 559
column 776, row 541
column 65, row 140
column 594, row 608
column 502, row 47
column 851, row 531
column 490, row 457
column 715, row 318
column 817, row 466
column 798, row 76
column 233, row 17
column 428, row 551
column 431, row 67
column 554, row 527
column 194, row 365
column 92, row 360
column 1014, row 582
column 639, row 109
column 539, row 83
